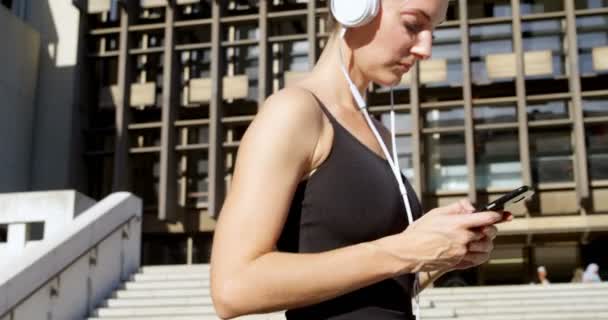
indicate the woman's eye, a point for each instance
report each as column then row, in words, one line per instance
column 413, row 28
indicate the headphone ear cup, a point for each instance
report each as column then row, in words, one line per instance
column 354, row 13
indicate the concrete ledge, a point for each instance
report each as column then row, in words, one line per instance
column 25, row 275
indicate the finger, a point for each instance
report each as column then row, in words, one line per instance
column 472, row 236
column 507, row 217
column 490, row 232
column 467, row 206
column 480, row 247
column 481, row 219
column 476, row 258
column 458, row 207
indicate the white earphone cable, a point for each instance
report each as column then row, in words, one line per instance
column 393, row 160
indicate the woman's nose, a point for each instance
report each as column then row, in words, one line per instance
column 422, row 49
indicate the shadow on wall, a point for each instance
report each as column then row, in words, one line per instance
column 56, row 161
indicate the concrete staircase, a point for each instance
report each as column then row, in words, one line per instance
column 182, row 293
column 166, row 292
column 556, row 301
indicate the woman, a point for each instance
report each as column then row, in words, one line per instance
column 314, row 222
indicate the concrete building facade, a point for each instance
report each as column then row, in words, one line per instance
column 516, row 93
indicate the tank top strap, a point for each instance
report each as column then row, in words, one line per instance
column 323, row 107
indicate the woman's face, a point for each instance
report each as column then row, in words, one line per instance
column 401, row 34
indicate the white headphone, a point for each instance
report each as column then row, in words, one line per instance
column 352, row 14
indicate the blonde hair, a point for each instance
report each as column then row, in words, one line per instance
column 331, row 22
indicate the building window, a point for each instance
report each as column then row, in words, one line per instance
column 551, row 155
column 597, row 149
column 489, row 8
column 540, row 6
column 592, row 35
column 544, row 53
column 492, row 54
column 550, row 110
column 34, row 231
column 443, row 117
column 403, row 121
column 595, row 107
column 590, row 4
column 495, row 113
column 3, row 233
column 444, row 69
column 497, row 162
column 446, row 163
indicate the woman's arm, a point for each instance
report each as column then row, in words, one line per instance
column 247, row 274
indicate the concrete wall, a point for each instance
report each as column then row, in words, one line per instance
column 56, row 156
column 18, row 77
column 56, row 209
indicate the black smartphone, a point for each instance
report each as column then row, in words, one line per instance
column 515, row 196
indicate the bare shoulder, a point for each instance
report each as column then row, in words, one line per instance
column 293, row 103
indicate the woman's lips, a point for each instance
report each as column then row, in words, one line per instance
column 404, row 66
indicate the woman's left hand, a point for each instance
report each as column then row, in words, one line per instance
column 478, row 251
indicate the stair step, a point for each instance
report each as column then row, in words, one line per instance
column 127, row 294
column 155, row 311
column 542, row 310
column 170, row 276
column 157, row 302
column 176, row 268
column 512, row 296
column 271, row 316
column 560, row 287
column 177, row 284
column 556, row 316
column 472, row 303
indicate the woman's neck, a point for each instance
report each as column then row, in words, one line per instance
column 329, row 78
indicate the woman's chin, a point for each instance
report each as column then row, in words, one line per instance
column 390, row 80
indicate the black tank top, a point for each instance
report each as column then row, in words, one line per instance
column 351, row 198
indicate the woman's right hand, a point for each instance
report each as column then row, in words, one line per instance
column 439, row 240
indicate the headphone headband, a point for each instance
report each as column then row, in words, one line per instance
column 354, row 13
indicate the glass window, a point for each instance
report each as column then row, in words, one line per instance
column 145, row 178
column 287, row 26
column 403, row 121
column 551, row 155
column 543, row 43
column 145, row 138
column 3, row 233
column 597, row 149
column 485, row 114
column 590, row 4
column 243, row 60
column 592, row 33
column 497, row 159
column 490, row 46
column 34, row 231
column 445, row 66
column 550, row 110
column 445, row 161
column 198, row 179
column 489, row 8
column 195, row 10
column 404, row 155
column 239, row 7
column 595, row 107
column 540, row 6
column 444, row 117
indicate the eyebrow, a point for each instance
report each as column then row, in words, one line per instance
column 422, row 13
